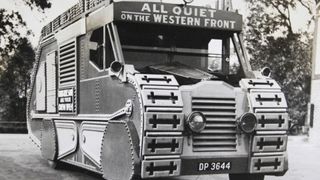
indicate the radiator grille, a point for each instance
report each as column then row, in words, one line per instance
column 220, row 131
column 67, row 64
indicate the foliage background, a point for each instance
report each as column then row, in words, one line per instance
column 272, row 42
column 16, row 61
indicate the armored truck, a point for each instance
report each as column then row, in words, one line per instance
column 148, row 89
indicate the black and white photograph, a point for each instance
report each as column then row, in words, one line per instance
column 159, row 89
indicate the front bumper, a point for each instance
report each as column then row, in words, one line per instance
column 270, row 165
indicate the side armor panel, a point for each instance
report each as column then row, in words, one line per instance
column 67, row 137
column 120, row 151
column 49, row 140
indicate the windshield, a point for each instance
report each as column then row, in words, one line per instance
column 206, row 50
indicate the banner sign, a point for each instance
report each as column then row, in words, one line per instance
column 171, row 14
column 66, row 99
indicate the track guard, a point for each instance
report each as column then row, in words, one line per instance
column 49, row 147
column 120, row 151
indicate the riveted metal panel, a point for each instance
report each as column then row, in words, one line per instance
column 164, row 121
column 161, row 168
column 268, row 100
column 87, row 97
column 270, row 143
column 41, row 88
column 272, row 121
column 91, row 135
column 49, row 145
column 67, row 137
column 110, row 90
column 83, row 57
column 120, row 151
column 167, row 98
column 270, row 164
column 162, row 145
column 97, row 92
column 160, row 80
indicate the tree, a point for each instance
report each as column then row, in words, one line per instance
column 11, row 25
column 40, row 4
column 271, row 42
column 16, row 60
column 14, row 82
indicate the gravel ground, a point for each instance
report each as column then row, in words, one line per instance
column 20, row 159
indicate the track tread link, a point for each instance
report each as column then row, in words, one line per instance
column 162, row 101
column 269, row 143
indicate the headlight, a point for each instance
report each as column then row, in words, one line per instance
column 248, row 122
column 196, row 122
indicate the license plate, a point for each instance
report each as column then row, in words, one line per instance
column 214, row 166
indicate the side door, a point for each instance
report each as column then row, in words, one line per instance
column 51, row 79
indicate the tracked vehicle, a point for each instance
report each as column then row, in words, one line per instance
column 139, row 89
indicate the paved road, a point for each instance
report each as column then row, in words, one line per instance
column 20, row 159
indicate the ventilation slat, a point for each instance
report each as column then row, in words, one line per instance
column 67, row 45
column 67, row 66
column 67, row 52
column 220, row 119
column 65, row 58
column 219, row 125
column 215, row 149
column 199, row 107
column 219, row 113
column 217, row 138
column 67, row 63
column 67, row 73
column 68, row 80
column 209, row 101
column 220, row 131
column 216, row 144
column 70, row 74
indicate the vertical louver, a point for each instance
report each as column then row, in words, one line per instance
column 220, row 131
column 67, row 64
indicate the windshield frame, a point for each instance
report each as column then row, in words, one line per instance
column 233, row 38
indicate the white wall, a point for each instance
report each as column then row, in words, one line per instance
column 315, row 84
column 316, row 48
